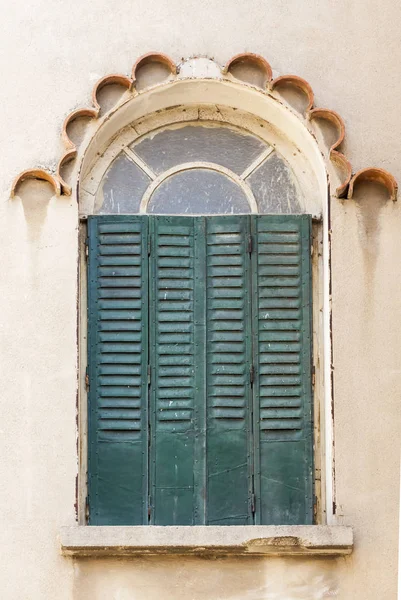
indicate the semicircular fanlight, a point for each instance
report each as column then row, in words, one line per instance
column 198, row 192
column 199, row 168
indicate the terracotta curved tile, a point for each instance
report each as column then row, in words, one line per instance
column 335, row 156
column 297, row 82
column 153, row 57
column 65, row 159
column 345, row 167
column 122, row 80
column 40, row 174
column 252, row 58
column 332, row 117
column 57, row 181
column 91, row 113
column 69, row 145
column 375, row 175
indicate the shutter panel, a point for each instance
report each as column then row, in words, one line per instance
column 208, row 315
column 117, row 349
column 228, row 371
column 282, row 346
column 177, row 449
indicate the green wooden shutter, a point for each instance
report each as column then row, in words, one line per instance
column 200, row 354
column 282, row 349
column 117, row 344
column 228, row 351
column 213, row 313
column 177, row 373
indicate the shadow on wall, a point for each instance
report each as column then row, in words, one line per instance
column 191, row 578
column 371, row 200
column 35, row 198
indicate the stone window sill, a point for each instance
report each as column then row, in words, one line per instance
column 305, row 540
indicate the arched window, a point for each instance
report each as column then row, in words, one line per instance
column 199, row 332
column 200, row 226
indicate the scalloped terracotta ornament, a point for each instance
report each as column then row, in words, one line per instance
column 344, row 170
column 80, row 113
column 343, row 166
column 293, row 81
column 39, row 174
column 121, row 80
column 248, row 68
column 334, row 119
column 375, row 175
column 163, row 68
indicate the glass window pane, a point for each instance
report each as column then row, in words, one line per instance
column 274, row 187
column 122, row 188
column 198, row 192
column 227, row 147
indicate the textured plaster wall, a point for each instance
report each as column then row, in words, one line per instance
column 51, row 54
column 367, row 359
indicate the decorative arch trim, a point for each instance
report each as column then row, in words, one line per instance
column 275, row 88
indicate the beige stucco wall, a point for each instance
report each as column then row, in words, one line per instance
column 52, row 53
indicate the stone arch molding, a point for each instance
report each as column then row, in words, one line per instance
column 245, row 82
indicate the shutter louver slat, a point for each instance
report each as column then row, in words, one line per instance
column 228, row 361
column 117, row 336
column 282, row 324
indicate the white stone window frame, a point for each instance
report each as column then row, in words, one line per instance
column 93, row 171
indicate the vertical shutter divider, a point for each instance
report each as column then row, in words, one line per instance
column 250, row 361
column 91, row 370
column 200, row 371
column 249, row 365
column 256, row 475
column 307, row 362
column 145, row 363
column 151, row 362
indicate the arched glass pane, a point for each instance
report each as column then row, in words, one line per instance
column 274, row 187
column 122, row 188
column 198, row 192
column 227, row 147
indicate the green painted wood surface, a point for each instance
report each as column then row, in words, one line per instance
column 172, row 360
column 229, row 358
column 283, row 362
column 117, row 347
column 222, row 449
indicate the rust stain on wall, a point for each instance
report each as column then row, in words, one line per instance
column 35, row 198
column 370, row 200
